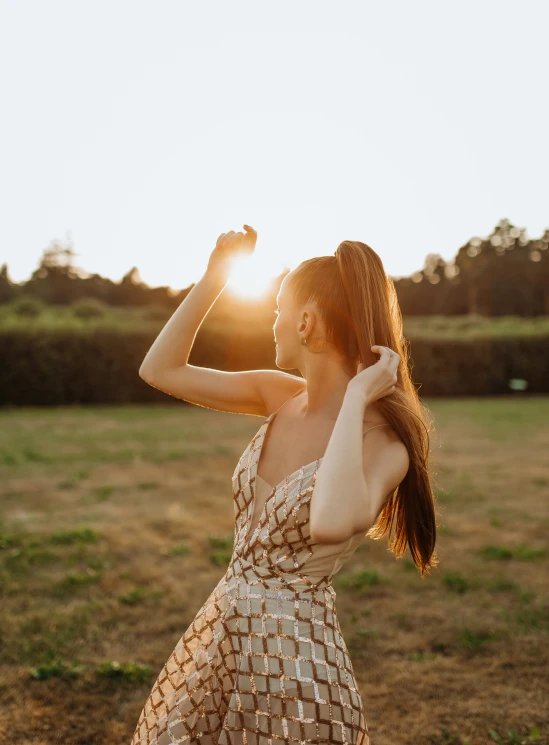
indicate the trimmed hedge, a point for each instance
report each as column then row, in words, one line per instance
column 100, row 366
column 60, row 367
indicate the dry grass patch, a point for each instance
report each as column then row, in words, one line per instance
column 117, row 522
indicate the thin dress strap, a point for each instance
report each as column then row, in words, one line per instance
column 274, row 413
column 377, row 425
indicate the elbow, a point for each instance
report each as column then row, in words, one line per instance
column 333, row 533
column 324, row 537
column 145, row 373
column 329, row 537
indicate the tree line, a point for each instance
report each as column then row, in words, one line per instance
column 505, row 273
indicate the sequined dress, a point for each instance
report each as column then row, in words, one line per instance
column 264, row 661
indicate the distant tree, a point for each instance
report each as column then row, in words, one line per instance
column 53, row 281
column 8, row 290
column 540, row 258
column 131, row 290
column 505, row 273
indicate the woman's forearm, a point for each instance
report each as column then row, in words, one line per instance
column 173, row 345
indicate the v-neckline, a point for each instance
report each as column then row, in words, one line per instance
column 253, row 473
column 273, row 489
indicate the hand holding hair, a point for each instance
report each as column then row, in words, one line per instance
column 377, row 380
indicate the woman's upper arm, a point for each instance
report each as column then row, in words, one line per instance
column 256, row 392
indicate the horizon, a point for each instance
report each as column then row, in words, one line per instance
column 410, row 129
column 82, row 272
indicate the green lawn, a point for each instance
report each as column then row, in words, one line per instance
column 116, row 524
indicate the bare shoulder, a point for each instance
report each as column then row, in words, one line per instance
column 384, row 446
column 374, row 418
column 377, row 430
column 276, row 387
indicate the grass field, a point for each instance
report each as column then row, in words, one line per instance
column 116, row 524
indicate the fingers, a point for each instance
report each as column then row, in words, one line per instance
column 227, row 237
column 223, row 236
column 386, row 351
column 389, row 357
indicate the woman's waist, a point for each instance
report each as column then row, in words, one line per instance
column 275, row 577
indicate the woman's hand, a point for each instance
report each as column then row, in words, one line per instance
column 379, row 379
column 230, row 246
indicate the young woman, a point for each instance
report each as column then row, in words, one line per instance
column 343, row 452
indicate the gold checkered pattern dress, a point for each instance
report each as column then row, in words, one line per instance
column 264, row 662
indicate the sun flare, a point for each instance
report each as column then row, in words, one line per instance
column 252, row 277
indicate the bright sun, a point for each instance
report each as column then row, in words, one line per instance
column 251, row 277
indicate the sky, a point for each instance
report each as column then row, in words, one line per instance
column 138, row 132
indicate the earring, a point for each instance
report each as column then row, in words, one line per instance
column 313, row 345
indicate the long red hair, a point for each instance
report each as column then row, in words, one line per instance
column 359, row 305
